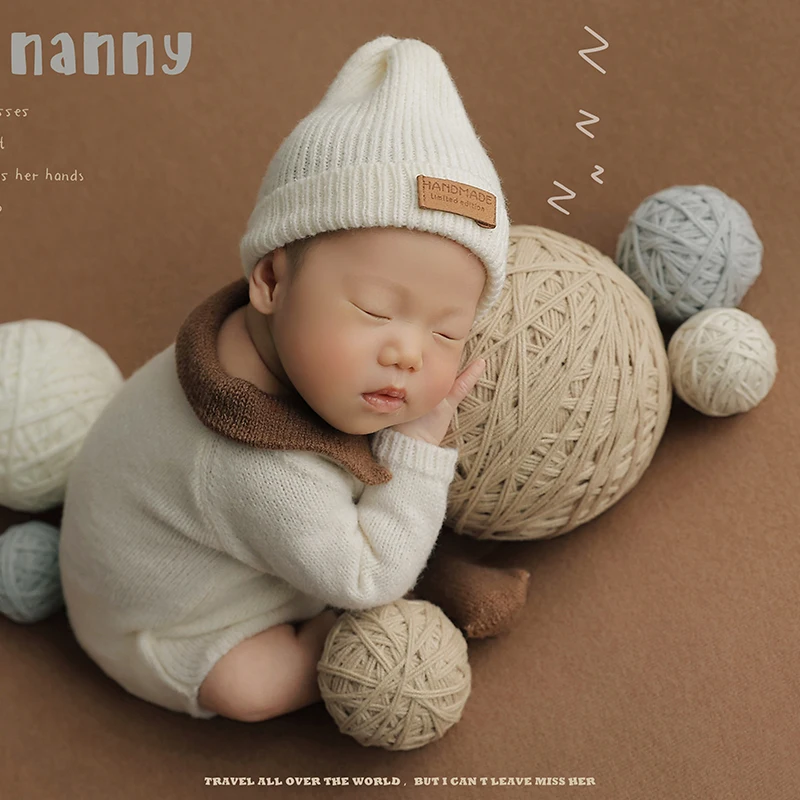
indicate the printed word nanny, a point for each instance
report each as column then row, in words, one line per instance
column 63, row 62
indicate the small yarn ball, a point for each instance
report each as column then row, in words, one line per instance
column 723, row 362
column 689, row 248
column 396, row 676
column 54, row 382
column 30, row 580
column 573, row 401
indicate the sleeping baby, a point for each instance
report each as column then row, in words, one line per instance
column 280, row 461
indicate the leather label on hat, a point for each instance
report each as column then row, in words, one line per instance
column 441, row 194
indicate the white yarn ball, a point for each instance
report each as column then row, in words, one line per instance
column 54, row 382
column 722, row 361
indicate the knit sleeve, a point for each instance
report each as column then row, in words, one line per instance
column 292, row 514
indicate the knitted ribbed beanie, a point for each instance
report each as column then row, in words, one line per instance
column 389, row 145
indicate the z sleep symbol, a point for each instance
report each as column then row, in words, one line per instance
column 581, row 126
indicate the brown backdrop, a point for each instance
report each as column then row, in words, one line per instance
column 658, row 652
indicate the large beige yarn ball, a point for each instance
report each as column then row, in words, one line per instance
column 396, row 676
column 723, row 362
column 54, row 383
column 574, row 398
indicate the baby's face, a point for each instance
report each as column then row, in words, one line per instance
column 372, row 308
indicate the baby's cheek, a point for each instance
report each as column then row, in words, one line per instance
column 437, row 380
column 444, row 382
column 342, row 355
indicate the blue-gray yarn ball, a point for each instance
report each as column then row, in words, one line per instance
column 689, row 248
column 30, row 581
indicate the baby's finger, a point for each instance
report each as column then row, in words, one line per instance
column 475, row 369
column 467, row 379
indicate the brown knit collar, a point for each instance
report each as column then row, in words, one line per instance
column 241, row 411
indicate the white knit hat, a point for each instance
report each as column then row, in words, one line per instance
column 389, row 145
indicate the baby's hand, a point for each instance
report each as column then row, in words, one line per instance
column 433, row 426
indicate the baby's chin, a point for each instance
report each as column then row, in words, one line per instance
column 367, row 426
column 364, row 430
column 365, row 423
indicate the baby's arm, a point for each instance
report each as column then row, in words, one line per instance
column 291, row 514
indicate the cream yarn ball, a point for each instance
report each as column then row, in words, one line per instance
column 396, row 676
column 54, row 382
column 723, row 362
column 573, row 400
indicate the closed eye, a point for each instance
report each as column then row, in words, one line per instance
column 377, row 316
column 370, row 314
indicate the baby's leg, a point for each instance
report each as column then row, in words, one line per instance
column 270, row 674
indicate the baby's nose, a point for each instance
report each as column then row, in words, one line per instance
column 407, row 354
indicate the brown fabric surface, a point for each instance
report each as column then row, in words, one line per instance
column 658, row 649
column 480, row 599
